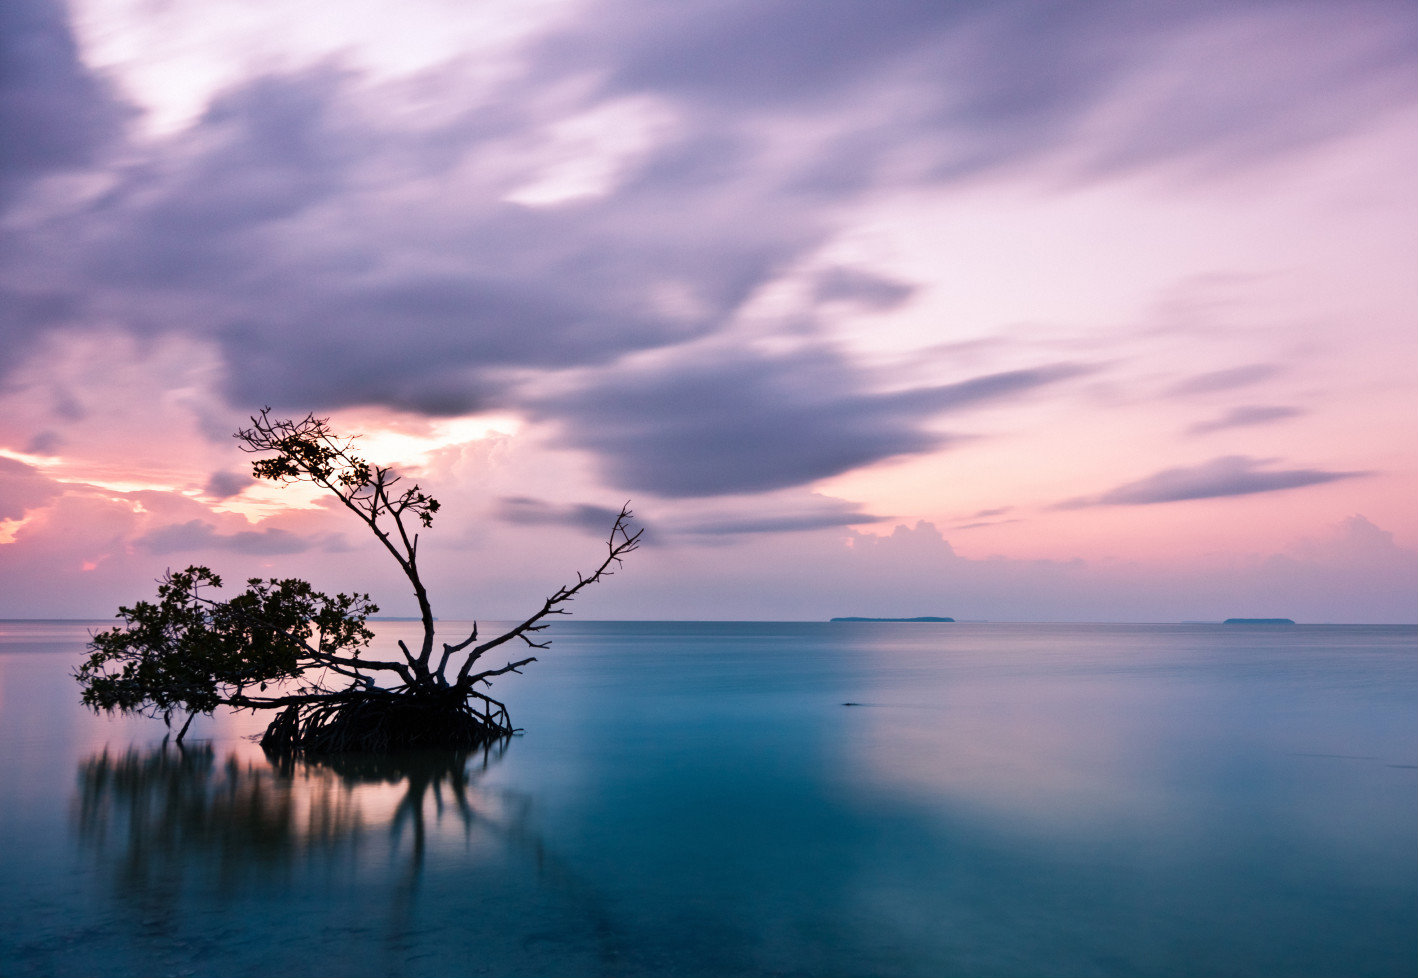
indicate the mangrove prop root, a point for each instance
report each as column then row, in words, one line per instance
column 384, row 723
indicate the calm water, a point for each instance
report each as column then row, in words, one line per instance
column 696, row 799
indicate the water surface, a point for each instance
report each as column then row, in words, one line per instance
column 697, row 799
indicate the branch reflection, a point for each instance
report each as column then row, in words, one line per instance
column 156, row 817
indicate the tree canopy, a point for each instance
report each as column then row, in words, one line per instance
column 281, row 645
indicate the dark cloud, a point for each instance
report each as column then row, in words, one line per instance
column 596, row 520
column 774, row 524
column 54, row 114
column 44, row 443
column 198, row 535
column 989, row 387
column 1224, row 380
column 821, row 518
column 1229, row 475
column 224, row 485
column 526, row 511
column 999, row 82
column 740, row 423
column 203, row 215
column 1245, row 416
column 747, row 54
column 27, row 315
column 340, row 250
column 256, row 227
column 862, row 288
column 29, row 310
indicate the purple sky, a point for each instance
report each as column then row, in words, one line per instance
column 993, row 310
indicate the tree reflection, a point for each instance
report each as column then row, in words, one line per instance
column 159, row 817
column 208, row 854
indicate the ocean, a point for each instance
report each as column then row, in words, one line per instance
column 700, row 799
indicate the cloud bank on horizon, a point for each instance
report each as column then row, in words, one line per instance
column 797, row 276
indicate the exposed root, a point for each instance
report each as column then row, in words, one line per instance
column 384, row 722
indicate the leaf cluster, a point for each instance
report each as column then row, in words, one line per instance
column 306, row 450
column 190, row 652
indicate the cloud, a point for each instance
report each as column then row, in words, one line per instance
column 316, row 213
column 199, row 535
column 44, row 443
column 1353, row 573
column 1229, row 475
column 739, row 423
column 980, row 523
column 870, row 291
column 224, row 485
column 997, row 83
column 342, row 246
column 238, row 230
column 1224, row 380
column 1355, row 542
column 22, row 488
column 526, row 511
column 1246, row 416
column 775, row 524
column 786, row 54
column 985, row 517
column 760, row 519
column 55, row 114
column 905, row 544
column 762, row 515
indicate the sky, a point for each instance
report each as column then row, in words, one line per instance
column 1002, row 311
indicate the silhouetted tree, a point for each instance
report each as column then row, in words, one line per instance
column 281, row 645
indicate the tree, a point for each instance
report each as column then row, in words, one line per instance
column 281, row 645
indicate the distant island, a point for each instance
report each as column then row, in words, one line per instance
column 1259, row 621
column 922, row 618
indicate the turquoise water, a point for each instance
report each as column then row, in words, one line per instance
column 696, row 799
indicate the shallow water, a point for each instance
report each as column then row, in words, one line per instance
column 696, row 799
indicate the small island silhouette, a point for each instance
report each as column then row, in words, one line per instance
column 922, row 618
column 1259, row 621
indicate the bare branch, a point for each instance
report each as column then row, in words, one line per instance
column 619, row 542
column 483, row 677
column 307, row 450
column 449, row 650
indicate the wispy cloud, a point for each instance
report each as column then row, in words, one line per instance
column 769, row 523
column 526, row 511
column 865, row 289
column 1229, row 475
column 978, row 524
column 1245, row 417
column 195, row 535
column 1224, row 380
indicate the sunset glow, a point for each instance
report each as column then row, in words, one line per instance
column 993, row 311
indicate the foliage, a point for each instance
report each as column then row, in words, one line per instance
column 190, row 652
